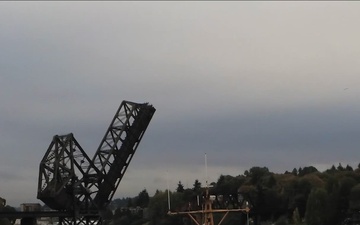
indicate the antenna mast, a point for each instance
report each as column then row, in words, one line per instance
column 206, row 172
column 168, row 191
column 207, row 211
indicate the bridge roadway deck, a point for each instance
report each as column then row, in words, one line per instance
column 35, row 214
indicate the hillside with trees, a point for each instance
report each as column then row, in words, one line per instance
column 302, row 196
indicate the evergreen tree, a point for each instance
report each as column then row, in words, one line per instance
column 180, row 187
column 348, row 168
column 142, row 199
column 197, row 186
column 340, row 167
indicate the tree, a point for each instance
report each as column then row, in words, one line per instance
column 307, row 170
column 270, row 181
column 256, row 173
column 180, row 187
column 178, row 202
column 334, row 203
column 197, row 187
column 354, row 203
column 142, row 199
column 272, row 205
column 349, row 168
column 6, row 208
column 332, row 170
column 228, row 185
column 299, row 170
column 340, row 167
column 298, row 192
column 107, row 215
column 247, row 173
column 2, row 203
column 319, row 197
column 158, row 207
column 129, row 203
column 118, row 203
column 316, row 207
column 346, row 184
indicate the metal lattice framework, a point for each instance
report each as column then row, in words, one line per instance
column 61, row 173
column 70, row 181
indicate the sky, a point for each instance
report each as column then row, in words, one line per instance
column 273, row 84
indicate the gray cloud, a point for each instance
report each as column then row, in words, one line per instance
column 249, row 83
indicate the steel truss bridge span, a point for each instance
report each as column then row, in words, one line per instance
column 70, row 181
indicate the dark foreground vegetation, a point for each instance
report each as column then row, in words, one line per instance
column 301, row 196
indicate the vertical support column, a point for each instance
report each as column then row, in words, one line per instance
column 209, row 219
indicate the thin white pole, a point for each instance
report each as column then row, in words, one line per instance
column 247, row 213
column 206, row 171
column 167, row 180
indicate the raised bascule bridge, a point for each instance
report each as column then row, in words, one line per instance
column 79, row 188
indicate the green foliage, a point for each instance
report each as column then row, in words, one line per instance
column 6, row 208
column 316, row 207
column 340, row 167
column 346, row 184
column 256, row 173
column 142, row 200
column 305, row 193
column 158, row 205
column 178, row 201
column 349, row 168
column 307, row 170
column 228, row 185
column 118, row 203
column 197, row 186
column 354, row 203
column 294, row 172
column 180, row 187
column 189, row 195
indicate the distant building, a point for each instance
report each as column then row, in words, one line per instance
column 30, row 207
column 34, row 207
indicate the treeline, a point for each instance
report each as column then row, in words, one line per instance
column 302, row 196
column 6, row 208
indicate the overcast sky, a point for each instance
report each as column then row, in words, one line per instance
column 273, row 84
